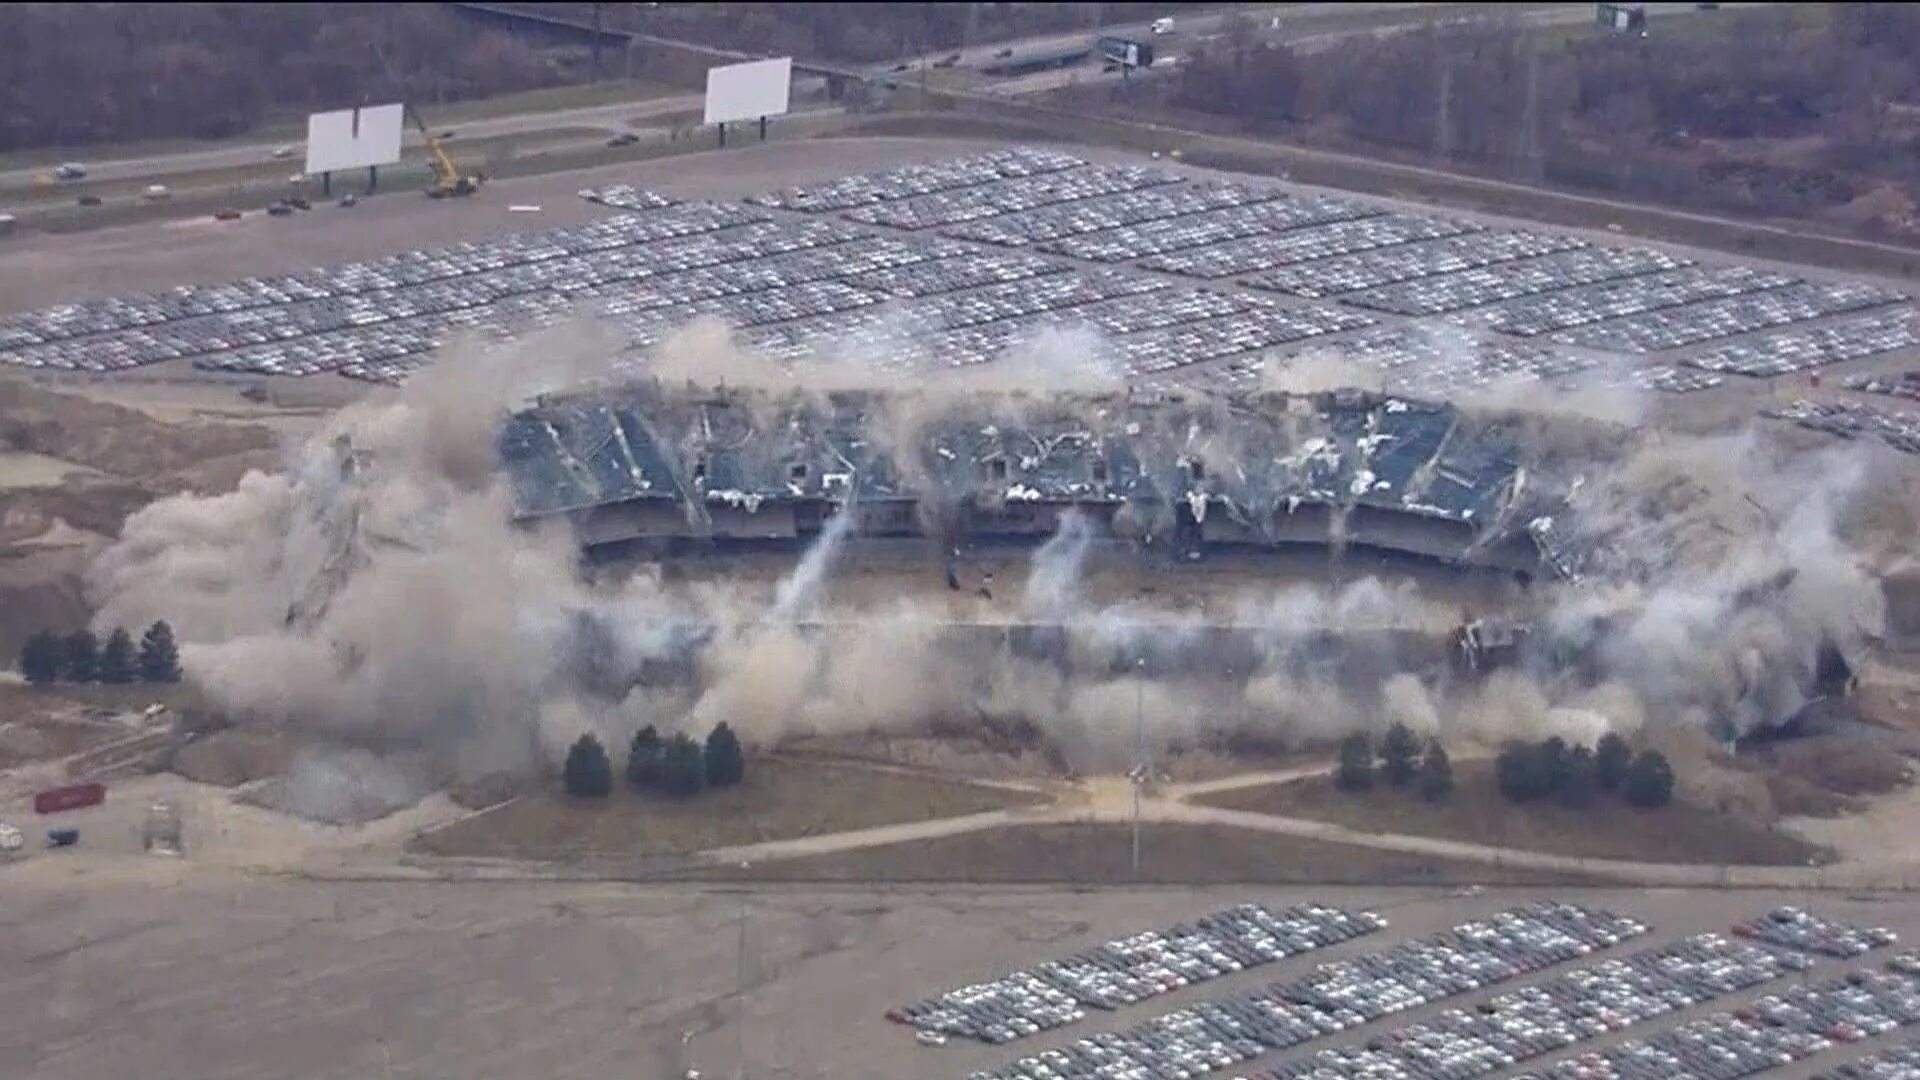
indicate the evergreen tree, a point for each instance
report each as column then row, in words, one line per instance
column 1436, row 773
column 82, row 658
column 1553, row 764
column 1582, row 780
column 1649, row 781
column 1355, row 771
column 1610, row 760
column 589, row 775
column 643, row 758
column 116, row 660
column 1520, row 772
column 726, row 764
column 159, row 657
column 1399, row 755
column 683, row 767
column 41, row 658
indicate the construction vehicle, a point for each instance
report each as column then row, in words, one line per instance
column 447, row 177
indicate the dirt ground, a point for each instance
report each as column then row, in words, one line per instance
column 221, row 978
column 1477, row 812
column 1102, row 854
column 778, row 800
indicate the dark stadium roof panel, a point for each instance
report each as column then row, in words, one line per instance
column 1259, row 460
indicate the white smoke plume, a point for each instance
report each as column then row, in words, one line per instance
column 385, row 597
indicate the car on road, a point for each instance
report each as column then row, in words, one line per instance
column 156, row 193
column 89, row 200
column 281, row 153
column 625, row 138
column 71, row 170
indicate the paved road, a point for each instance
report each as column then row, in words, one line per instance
column 612, row 118
column 1108, row 800
column 619, row 116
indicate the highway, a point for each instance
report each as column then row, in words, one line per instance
column 622, row 116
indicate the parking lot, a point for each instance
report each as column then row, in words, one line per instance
column 1132, row 969
column 954, row 264
column 585, row 979
column 1900, row 430
column 1597, row 1000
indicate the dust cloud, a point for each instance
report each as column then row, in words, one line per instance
column 376, row 592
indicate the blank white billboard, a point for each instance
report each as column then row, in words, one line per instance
column 353, row 138
column 749, row 91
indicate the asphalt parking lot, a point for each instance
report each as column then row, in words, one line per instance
column 214, row 977
column 1179, row 278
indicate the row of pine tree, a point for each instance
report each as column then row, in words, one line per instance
column 676, row 766
column 79, row 657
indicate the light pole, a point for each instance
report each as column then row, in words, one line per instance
column 740, row 995
column 1139, row 773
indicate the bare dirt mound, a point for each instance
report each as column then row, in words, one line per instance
column 115, row 440
column 121, row 459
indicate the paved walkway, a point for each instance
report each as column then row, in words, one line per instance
column 1110, row 800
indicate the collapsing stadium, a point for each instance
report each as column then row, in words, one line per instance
column 1344, row 469
column 415, row 576
column 656, row 469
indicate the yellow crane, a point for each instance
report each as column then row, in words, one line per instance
column 447, row 177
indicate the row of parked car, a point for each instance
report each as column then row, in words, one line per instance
column 1457, row 295
column 1851, row 338
column 1775, row 1032
column 1679, row 327
column 1620, row 297
column 1333, row 997
column 1849, row 421
column 1259, row 254
column 1131, row 242
column 952, row 207
column 1410, row 262
column 1081, row 216
column 1898, row 1063
column 1561, row 1012
column 1797, row 928
column 912, row 181
column 1135, row 968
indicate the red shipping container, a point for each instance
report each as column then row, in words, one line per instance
column 71, row 797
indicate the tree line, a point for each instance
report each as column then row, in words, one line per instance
column 858, row 33
column 676, row 766
column 73, row 74
column 1525, row 772
column 1578, row 776
column 1788, row 109
column 79, row 657
column 1400, row 761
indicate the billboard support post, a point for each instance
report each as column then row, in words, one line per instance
column 763, row 129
